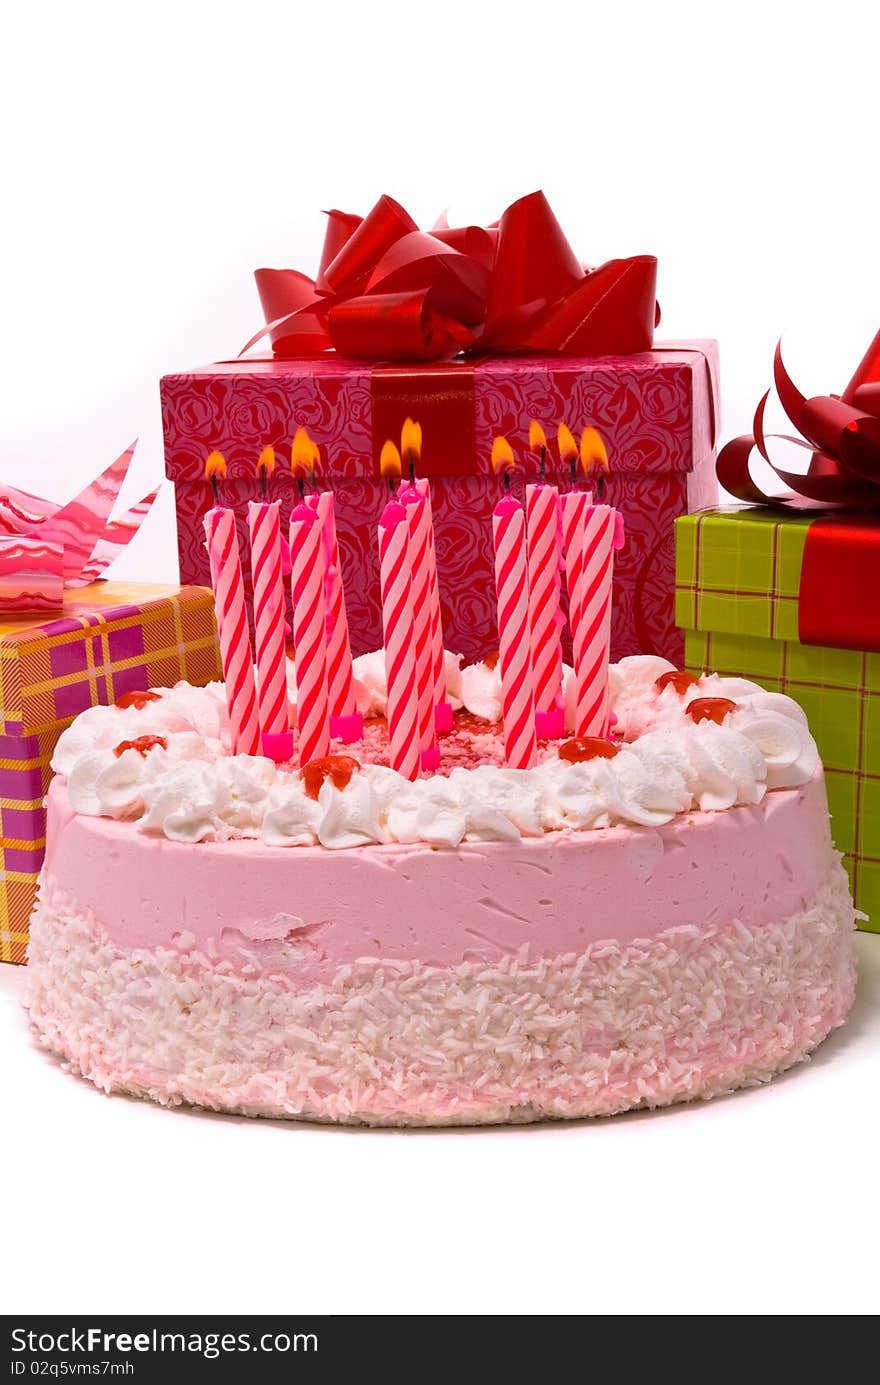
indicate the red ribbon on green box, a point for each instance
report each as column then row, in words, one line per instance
column 839, row 601
column 840, row 577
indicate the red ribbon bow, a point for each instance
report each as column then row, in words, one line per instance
column 841, row 431
column 386, row 291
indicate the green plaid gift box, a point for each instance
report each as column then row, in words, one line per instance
column 737, row 579
column 110, row 638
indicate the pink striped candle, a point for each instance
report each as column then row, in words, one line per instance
column 419, row 525
column 400, row 651
column 309, row 634
column 232, row 629
column 514, row 659
column 544, row 547
column 589, row 539
column 264, row 520
column 411, row 447
column 442, row 707
column 345, row 720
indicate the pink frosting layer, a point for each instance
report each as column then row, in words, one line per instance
column 689, row 1013
column 307, row 910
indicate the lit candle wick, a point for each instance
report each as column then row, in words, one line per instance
column 542, row 465
column 390, row 465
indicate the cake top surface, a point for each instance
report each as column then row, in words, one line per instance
column 679, row 745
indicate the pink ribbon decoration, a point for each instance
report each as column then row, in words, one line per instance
column 63, row 546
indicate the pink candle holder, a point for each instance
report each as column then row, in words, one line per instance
column 277, row 745
column 443, row 716
column 347, row 729
column 550, row 726
column 430, row 758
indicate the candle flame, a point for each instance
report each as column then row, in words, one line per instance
column 302, row 454
column 266, row 461
column 537, row 437
column 389, row 461
column 568, row 448
column 502, row 456
column 594, row 458
column 411, row 440
column 215, row 466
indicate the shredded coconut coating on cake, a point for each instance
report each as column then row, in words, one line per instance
column 692, row 1012
column 189, row 787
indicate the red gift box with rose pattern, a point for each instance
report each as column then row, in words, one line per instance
column 656, row 410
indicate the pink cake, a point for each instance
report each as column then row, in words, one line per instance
column 627, row 924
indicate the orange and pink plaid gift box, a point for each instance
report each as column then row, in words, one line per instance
column 111, row 638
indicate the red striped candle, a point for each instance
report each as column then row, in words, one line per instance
column 264, row 520
column 424, row 557
column 232, row 629
column 589, row 538
column 514, row 659
column 544, row 540
column 400, row 658
column 442, row 708
column 309, row 634
column 345, row 720
column 419, row 526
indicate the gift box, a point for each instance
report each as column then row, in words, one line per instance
column 785, row 599
column 656, row 410
column 111, row 638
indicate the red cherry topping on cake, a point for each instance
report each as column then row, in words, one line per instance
column 337, row 768
column 582, row 748
column 710, row 709
column 143, row 745
column 678, row 679
column 138, row 697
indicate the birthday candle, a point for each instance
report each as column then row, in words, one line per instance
column 512, row 587
column 264, row 519
column 309, row 634
column 232, row 624
column 345, row 720
column 589, row 534
column 544, row 543
column 343, row 712
column 420, row 559
column 442, row 707
column 399, row 630
column 411, row 444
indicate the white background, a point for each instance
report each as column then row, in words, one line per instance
column 153, row 156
